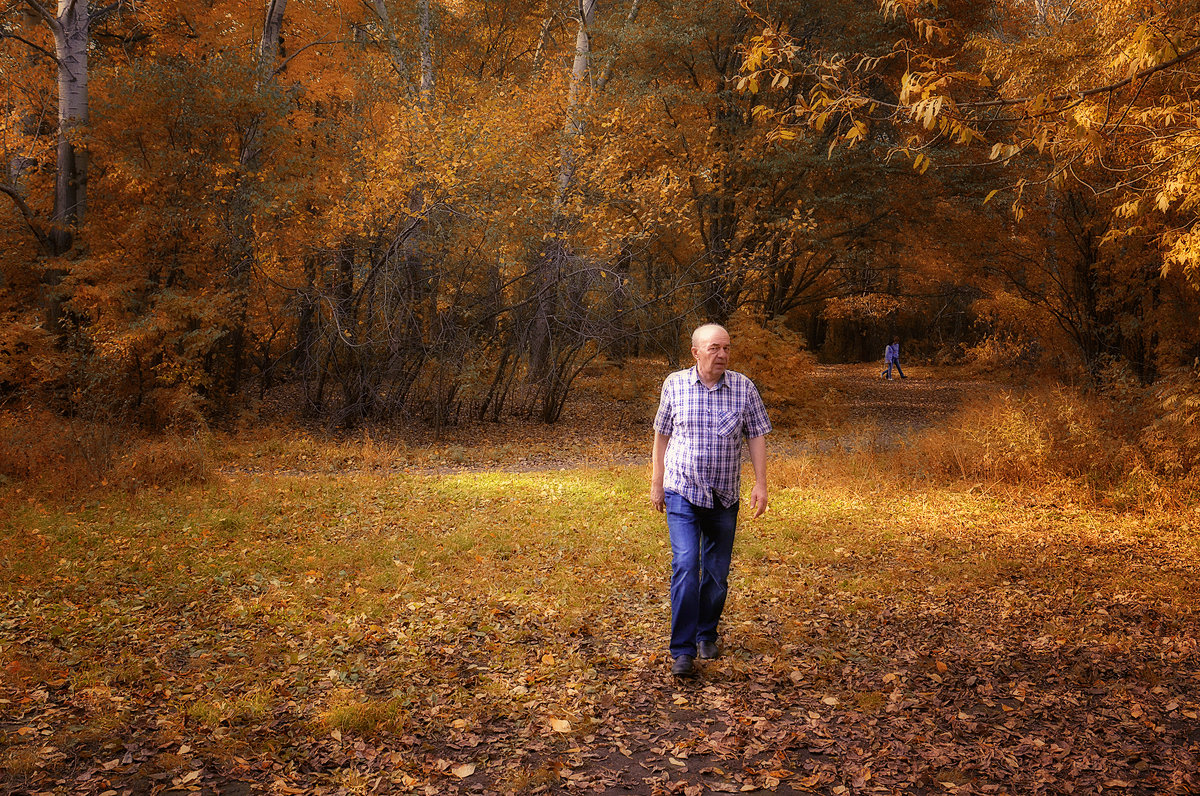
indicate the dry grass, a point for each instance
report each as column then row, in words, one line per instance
column 20, row 761
column 350, row 712
column 163, row 462
column 1037, row 437
column 66, row 454
column 69, row 457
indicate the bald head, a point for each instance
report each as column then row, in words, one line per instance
column 702, row 333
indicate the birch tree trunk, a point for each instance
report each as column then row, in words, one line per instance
column 427, row 79
column 548, row 271
column 573, row 128
column 268, row 47
column 545, row 351
column 397, row 55
column 70, row 27
column 70, row 188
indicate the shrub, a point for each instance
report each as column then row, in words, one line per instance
column 777, row 360
column 163, row 462
column 1033, row 437
column 67, row 454
column 1171, row 443
column 1003, row 353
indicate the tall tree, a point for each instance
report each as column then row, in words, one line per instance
column 70, row 26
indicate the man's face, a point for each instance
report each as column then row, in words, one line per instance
column 712, row 353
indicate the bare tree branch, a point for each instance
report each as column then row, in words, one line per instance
column 44, row 13
column 101, row 13
column 279, row 69
column 31, row 45
column 30, row 217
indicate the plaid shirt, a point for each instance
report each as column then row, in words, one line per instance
column 706, row 428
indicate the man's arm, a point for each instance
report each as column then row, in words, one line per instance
column 758, row 458
column 658, row 467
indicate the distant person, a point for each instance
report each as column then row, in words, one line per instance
column 703, row 415
column 891, row 356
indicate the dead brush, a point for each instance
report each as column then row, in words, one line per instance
column 163, row 462
column 20, row 761
column 777, row 360
column 65, row 455
column 1034, row 437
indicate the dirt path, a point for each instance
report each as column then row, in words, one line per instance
column 917, row 402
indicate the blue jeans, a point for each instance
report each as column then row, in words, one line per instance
column 701, row 548
column 895, row 362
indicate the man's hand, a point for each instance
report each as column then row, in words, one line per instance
column 758, row 499
column 657, row 497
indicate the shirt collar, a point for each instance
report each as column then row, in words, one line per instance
column 696, row 379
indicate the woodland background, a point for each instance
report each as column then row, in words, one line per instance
column 445, row 211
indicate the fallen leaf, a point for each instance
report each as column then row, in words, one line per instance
column 560, row 725
column 463, row 771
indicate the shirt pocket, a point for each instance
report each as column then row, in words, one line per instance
column 729, row 423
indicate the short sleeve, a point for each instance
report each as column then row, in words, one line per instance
column 757, row 424
column 664, row 419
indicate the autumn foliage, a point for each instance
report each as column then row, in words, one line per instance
column 375, row 211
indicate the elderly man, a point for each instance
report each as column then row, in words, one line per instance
column 703, row 414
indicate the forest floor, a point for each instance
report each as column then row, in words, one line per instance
column 486, row 612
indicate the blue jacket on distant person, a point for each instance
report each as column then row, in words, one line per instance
column 891, row 356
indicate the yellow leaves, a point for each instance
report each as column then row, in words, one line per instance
column 928, row 30
column 1002, row 151
column 926, row 111
column 748, row 83
column 857, row 131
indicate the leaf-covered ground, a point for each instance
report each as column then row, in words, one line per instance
column 504, row 632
